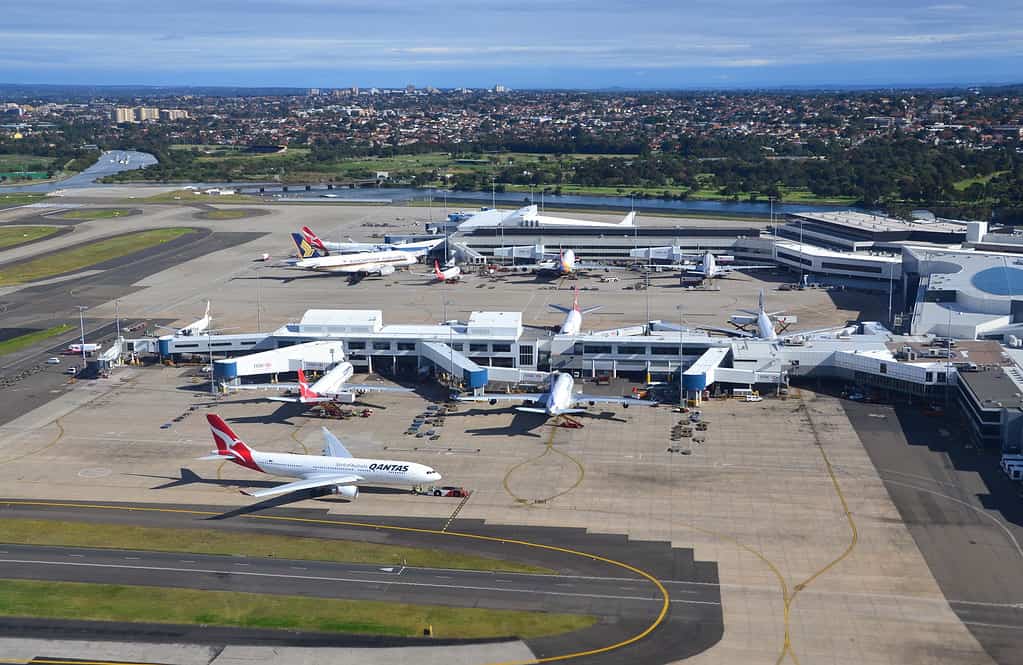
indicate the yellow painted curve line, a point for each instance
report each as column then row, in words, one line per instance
column 548, row 448
column 665, row 598
column 294, row 435
column 56, row 439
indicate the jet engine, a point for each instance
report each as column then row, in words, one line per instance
column 350, row 492
column 386, row 270
column 493, row 402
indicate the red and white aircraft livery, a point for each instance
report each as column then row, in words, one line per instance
column 329, row 388
column 449, row 274
column 336, row 469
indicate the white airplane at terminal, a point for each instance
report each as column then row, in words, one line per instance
column 336, row 470
column 195, row 327
column 384, row 262
column 418, row 247
column 331, row 387
column 548, row 263
column 573, row 322
column 450, row 273
column 704, row 265
column 560, row 399
column 761, row 324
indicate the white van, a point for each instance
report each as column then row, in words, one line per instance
column 53, row 361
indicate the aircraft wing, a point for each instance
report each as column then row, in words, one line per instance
column 581, row 398
column 306, row 484
column 811, row 333
column 265, row 386
column 731, row 268
column 503, row 397
column 598, row 266
column 731, row 332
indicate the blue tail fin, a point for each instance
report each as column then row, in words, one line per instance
column 305, row 249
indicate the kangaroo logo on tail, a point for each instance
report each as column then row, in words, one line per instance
column 228, row 443
column 314, row 240
column 303, row 387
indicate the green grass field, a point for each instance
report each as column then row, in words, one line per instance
column 104, row 213
column 111, row 602
column 19, row 162
column 28, row 339
column 962, row 185
column 210, row 541
column 17, row 199
column 83, row 256
column 10, row 236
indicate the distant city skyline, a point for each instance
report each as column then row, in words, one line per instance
column 528, row 44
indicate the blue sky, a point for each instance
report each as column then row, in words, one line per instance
column 520, row 43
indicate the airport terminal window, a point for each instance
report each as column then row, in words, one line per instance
column 381, row 346
column 249, row 343
column 221, row 343
column 928, row 377
column 849, row 267
column 477, row 348
column 525, row 355
column 185, row 346
column 501, row 362
column 664, row 350
column 597, row 348
column 941, row 377
column 353, row 346
column 884, row 368
column 406, row 346
column 793, row 257
column 631, row 350
column 501, row 348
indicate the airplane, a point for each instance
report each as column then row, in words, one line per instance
column 558, row 400
column 331, row 387
column 419, row 247
column 707, row 268
column 449, row 274
column 763, row 325
column 358, row 264
column 336, row 469
column 573, row 316
column 559, row 265
column 195, row 327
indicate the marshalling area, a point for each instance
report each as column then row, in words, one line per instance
column 774, row 541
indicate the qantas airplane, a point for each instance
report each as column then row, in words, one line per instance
column 358, row 264
column 336, row 469
column 449, row 274
column 419, row 247
column 331, row 387
column 573, row 322
column 558, row 400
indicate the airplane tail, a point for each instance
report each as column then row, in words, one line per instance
column 306, row 250
column 207, row 315
column 314, row 240
column 629, row 220
column 761, row 301
column 303, row 387
column 436, row 270
column 225, row 438
column 575, row 300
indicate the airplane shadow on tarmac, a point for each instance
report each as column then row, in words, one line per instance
column 525, row 424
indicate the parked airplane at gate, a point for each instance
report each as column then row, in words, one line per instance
column 336, row 470
column 763, row 325
column 331, row 387
column 419, row 247
column 560, row 399
column 195, row 327
column 573, row 322
column 448, row 274
column 358, row 264
column 707, row 268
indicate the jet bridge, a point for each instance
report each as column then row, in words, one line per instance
column 319, row 355
column 455, row 363
column 702, row 373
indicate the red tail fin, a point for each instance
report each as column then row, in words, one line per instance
column 575, row 302
column 436, row 269
column 312, row 238
column 223, row 435
column 303, row 386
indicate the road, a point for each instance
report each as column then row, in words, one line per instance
column 965, row 516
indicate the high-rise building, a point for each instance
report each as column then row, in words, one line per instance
column 500, row 88
column 145, row 113
column 173, row 114
column 314, row 92
column 124, row 114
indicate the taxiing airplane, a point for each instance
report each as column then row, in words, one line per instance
column 195, row 327
column 559, row 400
column 448, row 274
column 573, row 322
column 336, row 470
column 331, row 387
column 419, row 247
column 761, row 324
column 359, row 264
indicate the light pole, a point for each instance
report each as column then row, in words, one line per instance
column 493, row 192
column 681, row 391
column 81, row 324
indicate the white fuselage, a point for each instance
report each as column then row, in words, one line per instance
column 765, row 326
column 559, row 399
column 196, row 327
column 362, row 261
column 566, row 264
column 371, row 471
column 448, row 274
column 573, row 322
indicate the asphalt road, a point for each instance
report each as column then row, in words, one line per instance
column 626, row 603
column 965, row 516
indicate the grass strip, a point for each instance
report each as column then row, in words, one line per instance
column 18, row 199
column 28, row 339
column 212, row 541
column 104, row 213
column 115, row 602
column 83, row 256
column 11, row 236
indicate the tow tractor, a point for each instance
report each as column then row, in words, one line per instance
column 446, row 490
